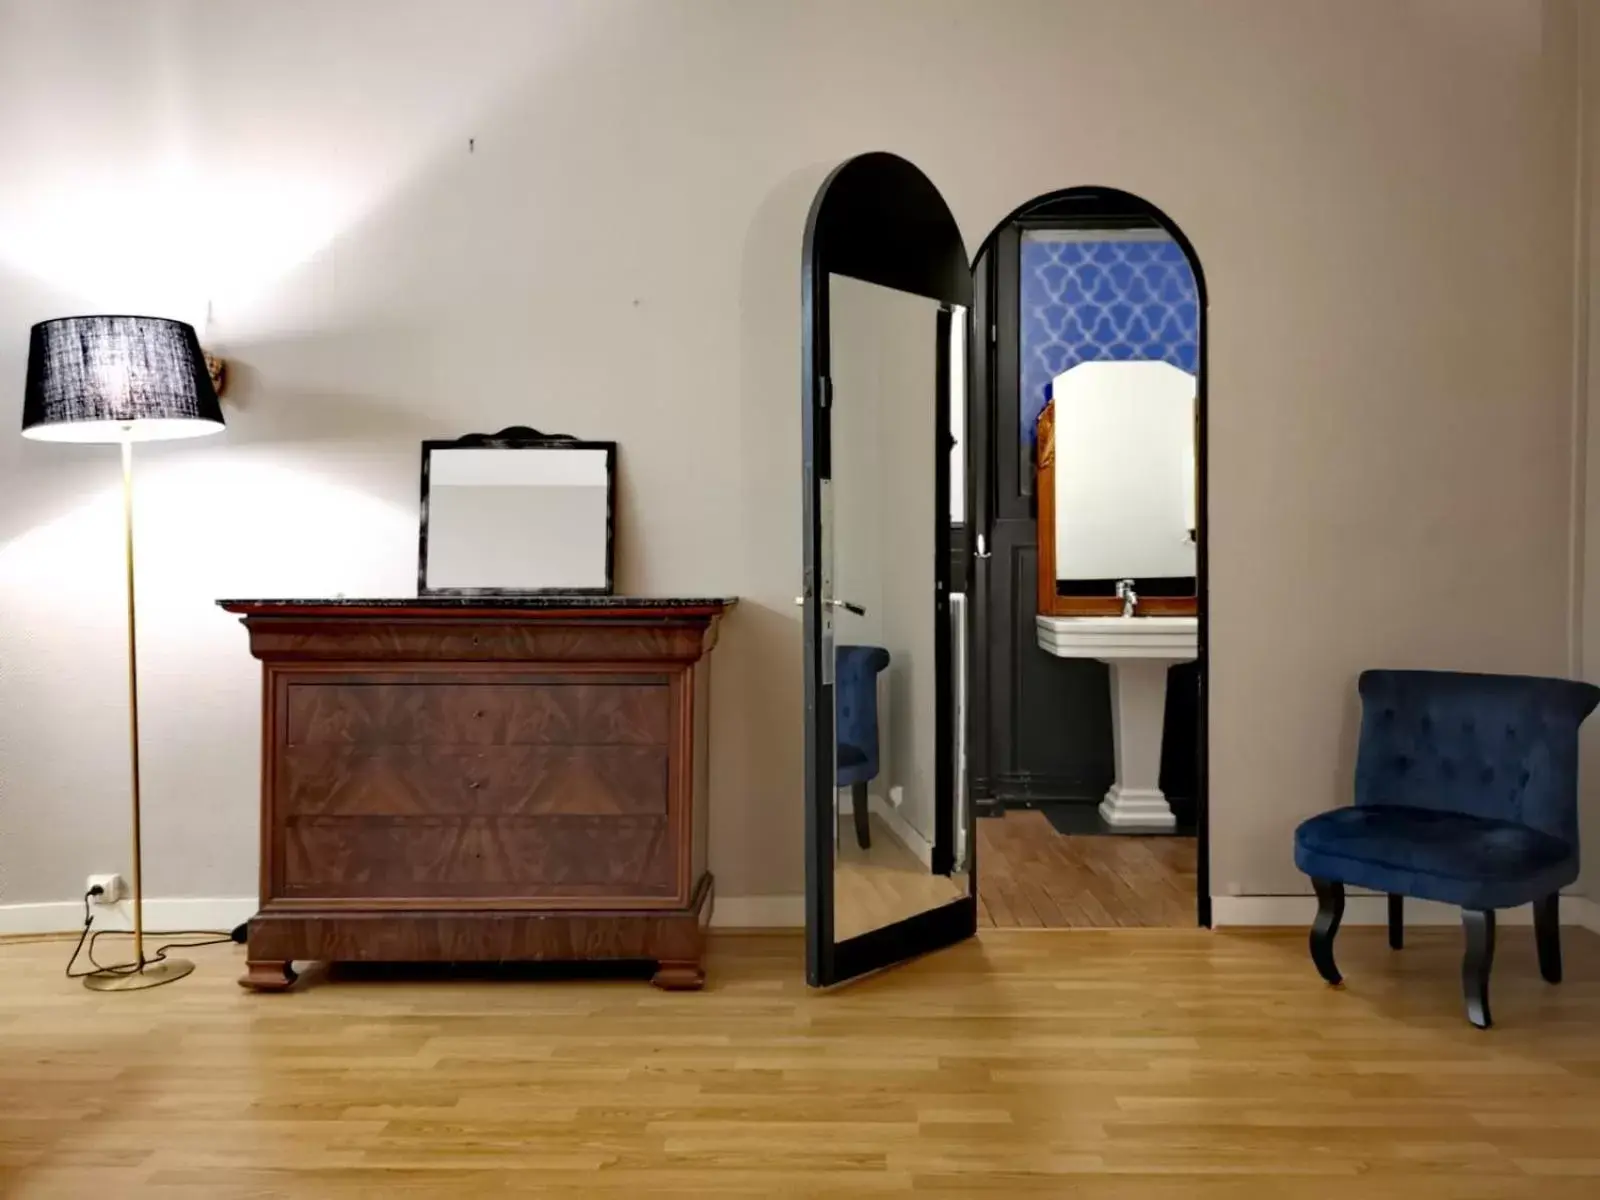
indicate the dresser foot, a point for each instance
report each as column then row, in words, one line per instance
column 268, row 976
column 679, row 976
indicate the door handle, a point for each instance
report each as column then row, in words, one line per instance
column 844, row 604
column 983, row 547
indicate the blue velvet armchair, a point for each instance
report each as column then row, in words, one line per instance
column 1466, row 792
column 855, row 690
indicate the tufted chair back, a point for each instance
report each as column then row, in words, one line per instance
column 1503, row 747
column 855, row 690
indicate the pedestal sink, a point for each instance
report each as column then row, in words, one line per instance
column 1139, row 651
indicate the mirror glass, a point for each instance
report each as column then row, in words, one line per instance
column 516, row 518
column 885, row 504
column 1125, row 472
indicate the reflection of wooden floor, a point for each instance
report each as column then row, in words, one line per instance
column 1031, row 876
column 877, row 887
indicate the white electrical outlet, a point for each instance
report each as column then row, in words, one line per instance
column 112, row 888
column 897, row 795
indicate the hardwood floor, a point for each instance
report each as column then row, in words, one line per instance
column 1117, row 1065
column 1030, row 876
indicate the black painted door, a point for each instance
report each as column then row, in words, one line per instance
column 885, row 292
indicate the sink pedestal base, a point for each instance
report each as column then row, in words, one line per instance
column 1145, row 809
column 1138, row 713
column 1139, row 650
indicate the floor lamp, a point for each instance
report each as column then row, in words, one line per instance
column 121, row 380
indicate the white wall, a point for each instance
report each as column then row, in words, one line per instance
column 856, row 487
column 1380, row 192
column 907, row 329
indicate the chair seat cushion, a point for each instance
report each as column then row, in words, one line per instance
column 1455, row 858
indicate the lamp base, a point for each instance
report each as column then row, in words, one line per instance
column 151, row 975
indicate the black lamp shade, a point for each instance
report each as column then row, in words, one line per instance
column 117, row 379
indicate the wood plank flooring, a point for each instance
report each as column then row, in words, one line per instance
column 1117, row 1065
column 1030, row 876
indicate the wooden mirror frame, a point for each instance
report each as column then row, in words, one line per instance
column 1050, row 604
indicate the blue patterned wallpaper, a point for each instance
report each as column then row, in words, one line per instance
column 1090, row 301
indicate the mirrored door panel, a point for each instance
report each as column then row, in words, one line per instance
column 886, row 288
column 888, row 628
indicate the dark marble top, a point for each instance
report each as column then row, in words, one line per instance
column 501, row 603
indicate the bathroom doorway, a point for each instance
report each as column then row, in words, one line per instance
column 1085, row 737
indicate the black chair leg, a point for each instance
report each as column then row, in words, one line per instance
column 1397, row 922
column 1547, row 932
column 1330, row 911
column 858, row 806
column 1478, row 925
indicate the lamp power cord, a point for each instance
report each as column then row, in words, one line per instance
column 90, row 936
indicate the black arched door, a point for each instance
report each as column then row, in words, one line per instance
column 886, row 292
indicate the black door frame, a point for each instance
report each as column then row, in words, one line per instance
column 1099, row 207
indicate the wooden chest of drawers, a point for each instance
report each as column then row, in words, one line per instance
column 470, row 780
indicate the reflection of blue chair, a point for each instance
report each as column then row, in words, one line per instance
column 855, row 690
column 1466, row 793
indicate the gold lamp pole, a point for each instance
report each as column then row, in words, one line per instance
column 122, row 379
column 139, row 973
column 133, row 703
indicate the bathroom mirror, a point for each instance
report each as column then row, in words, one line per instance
column 1117, row 490
column 885, row 294
column 516, row 513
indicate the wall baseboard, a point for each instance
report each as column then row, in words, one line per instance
column 222, row 914
column 1369, row 909
column 161, row 915
column 769, row 912
column 759, row 912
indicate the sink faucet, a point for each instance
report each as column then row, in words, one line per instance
column 1129, row 597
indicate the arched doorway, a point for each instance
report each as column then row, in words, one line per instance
column 1081, row 275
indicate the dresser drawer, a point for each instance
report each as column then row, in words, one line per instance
column 334, row 779
column 344, row 713
column 509, row 857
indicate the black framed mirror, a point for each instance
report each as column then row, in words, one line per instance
column 517, row 513
column 886, row 293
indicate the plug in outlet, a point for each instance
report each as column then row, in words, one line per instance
column 897, row 795
column 111, row 888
